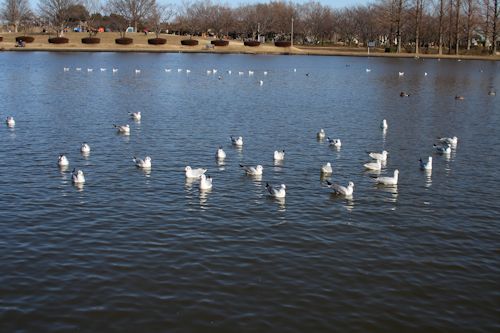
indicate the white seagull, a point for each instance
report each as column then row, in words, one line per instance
column 168, row 70
column 135, row 115
column 445, row 149
column 237, row 141
column 450, row 141
column 205, row 182
column 78, row 69
column 90, row 70
column 388, row 180
column 342, row 190
column 326, row 169
column 265, row 72
column 379, row 156
column 103, row 69
column 220, row 154
column 85, row 148
column 279, row 192
column 368, row 70
column 62, row 161
column 384, row 125
column 123, row 129
column 252, row 171
column 66, row 69
column 137, row 71
column 261, row 82
column 401, row 73
column 10, row 121
column 77, row 177
column 335, row 142
column 373, row 165
column 115, row 70
column 279, row 155
column 194, row 173
column 426, row 165
column 140, row 163
column 321, row 134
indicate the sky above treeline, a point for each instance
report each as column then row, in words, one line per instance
column 330, row 3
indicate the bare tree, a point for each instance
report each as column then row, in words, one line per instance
column 419, row 7
column 495, row 25
column 441, row 24
column 318, row 21
column 160, row 14
column 93, row 7
column 470, row 8
column 399, row 14
column 57, row 12
column 134, row 11
column 15, row 11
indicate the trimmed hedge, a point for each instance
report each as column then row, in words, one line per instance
column 91, row 40
column 282, row 43
column 26, row 39
column 58, row 40
column 220, row 42
column 124, row 41
column 157, row 41
column 251, row 43
column 189, row 42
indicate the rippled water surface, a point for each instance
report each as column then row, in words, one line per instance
column 134, row 250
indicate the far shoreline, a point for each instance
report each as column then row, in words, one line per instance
column 235, row 47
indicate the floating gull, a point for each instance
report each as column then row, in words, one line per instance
column 78, row 69
column 368, row 70
column 279, row 155
column 10, row 121
column 444, row 149
column 145, row 164
column 168, row 70
column 492, row 93
column 265, row 72
column 240, row 73
column 229, row 72
column 250, row 72
column 373, row 165
column 426, row 165
column 77, row 177
column 123, row 129
column 252, row 171
column 62, row 161
column 384, row 125
column 188, row 71
column 401, row 73
column 220, row 154
column 209, row 72
column 237, row 141
column 179, row 70
column 388, row 180
column 261, row 82
column 321, row 134
column 90, row 69
column 459, row 97
column 85, row 148
column 103, row 69
column 335, row 142
column 279, row 192
column 66, row 69
column 115, row 70
column 194, row 173
column 404, row 94
column 450, row 141
column 342, row 190
column 379, row 156
column 326, row 169
column 136, row 115
column 137, row 71
column 205, row 182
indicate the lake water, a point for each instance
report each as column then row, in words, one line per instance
column 147, row 251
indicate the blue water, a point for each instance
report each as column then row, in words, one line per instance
column 142, row 250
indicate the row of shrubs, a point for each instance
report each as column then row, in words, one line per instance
column 152, row 41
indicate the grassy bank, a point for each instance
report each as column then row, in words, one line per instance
column 140, row 44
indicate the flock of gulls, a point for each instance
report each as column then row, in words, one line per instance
column 443, row 146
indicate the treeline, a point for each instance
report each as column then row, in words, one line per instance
column 399, row 25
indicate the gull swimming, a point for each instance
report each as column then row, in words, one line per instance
column 321, row 134
column 279, row 155
column 450, row 141
column 85, row 148
column 77, row 177
column 388, row 180
column 401, row 73
column 384, row 125
column 205, row 182
column 66, row 69
column 220, row 154
column 240, row 73
column 342, row 190
column 167, row 70
column 379, row 156
column 326, row 169
column 279, row 192
column 137, row 71
column 265, row 72
column 123, row 129
column 250, row 72
column 62, row 161
column 368, row 70
column 179, row 70
column 115, row 70
column 78, row 69
column 140, row 163
column 103, row 69
column 335, row 142
column 426, row 165
column 261, row 82
column 373, row 165
column 10, row 121
column 229, row 72
column 136, row 115
column 194, row 173
column 237, row 141
column 445, row 149
column 90, row 70
column 252, row 171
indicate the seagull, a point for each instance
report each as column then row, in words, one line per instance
column 103, row 69
column 426, row 165
column 401, row 73
column 135, row 115
column 321, row 134
column 261, row 82
column 326, row 169
column 450, row 141
column 10, row 121
column 253, row 171
column 459, row 97
column 403, row 94
column 250, row 72
column 279, row 155
column 205, row 182
column 214, row 71
column 194, row 173
column 115, row 70
column 145, row 164
column 265, row 72
column 335, row 142
column 229, row 72
column 276, row 192
column 237, row 141
column 188, row 71
column 342, row 190
column 368, row 70
column 294, row 70
column 85, row 148
column 78, row 69
column 384, row 125
column 90, row 70
column 379, row 156
column 137, row 71
column 240, row 73
column 388, row 180
column 425, row 73
column 66, row 69
column 209, row 72
column 220, row 154
column 77, row 177
column 62, row 161
column 373, row 165
column 445, row 149
column 492, row 93
column 167, row 70
column 179, row 70
column 123, row 129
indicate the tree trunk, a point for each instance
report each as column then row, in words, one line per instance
column 487, row 23
column 450, row 27
column 418, row 12
column 441, row 16
column 457, row 26
column 398, row 22
column 495, row 26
